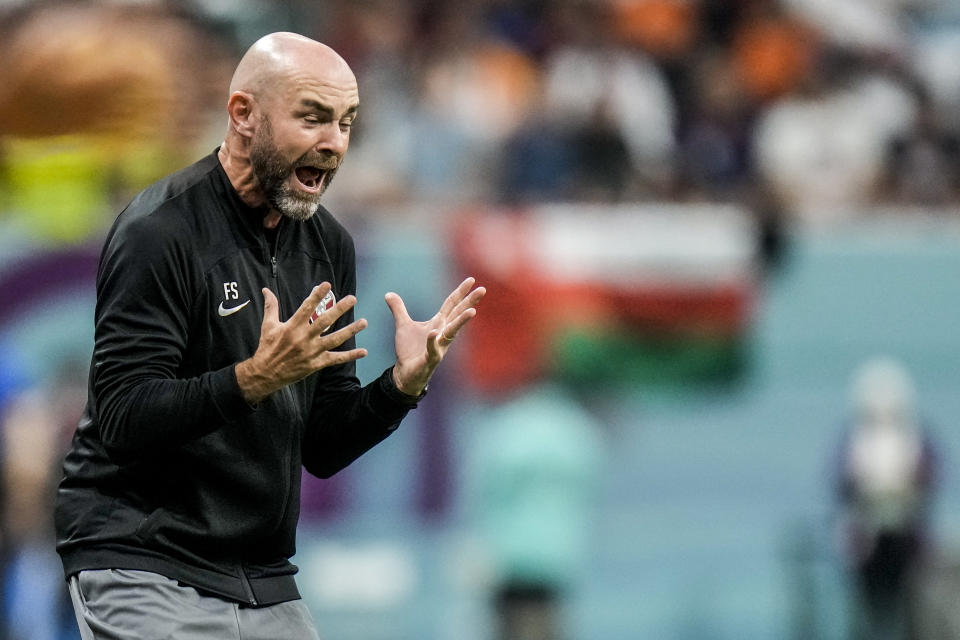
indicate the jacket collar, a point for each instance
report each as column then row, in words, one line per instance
column 251, row 217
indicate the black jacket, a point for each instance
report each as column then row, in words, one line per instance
column 170, row 469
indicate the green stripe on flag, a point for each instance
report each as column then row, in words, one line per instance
column 589, row 357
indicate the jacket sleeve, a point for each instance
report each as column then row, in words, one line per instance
column 347, row 419
column 349, row 423
column 145, row 285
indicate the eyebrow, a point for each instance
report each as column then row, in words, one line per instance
column 326, row 109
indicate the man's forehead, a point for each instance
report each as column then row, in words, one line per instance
column 305, row 90
column 304, row 75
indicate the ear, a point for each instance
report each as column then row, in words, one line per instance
column 240, row 109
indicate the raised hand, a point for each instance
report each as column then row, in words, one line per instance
column 291, row 350
column 420, row 346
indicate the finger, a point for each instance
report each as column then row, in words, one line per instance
column 456, row 296
column 472, row 300
column 271, row 308
column 309, row 304
column 328, row 318
column 451, row 329
column 333, row 358
column 333, row 340
column 397, row 308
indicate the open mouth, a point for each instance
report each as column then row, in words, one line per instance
column 310, row 178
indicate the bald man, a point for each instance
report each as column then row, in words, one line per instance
column 224, row 363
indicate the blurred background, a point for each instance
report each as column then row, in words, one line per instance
column 712, row 391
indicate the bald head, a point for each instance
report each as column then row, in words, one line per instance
column 292, row 105
column 280, row 57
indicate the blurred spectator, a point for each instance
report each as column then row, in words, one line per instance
column 821, row 149
column 592, row 84
column 773, row 51
column 714, row 158
column 535, row 465
column 537, row 163
column 472, row 99
column 33, row 580
column 35, row 424
column 551, row 160
column 932, row 58
column 864, row 25
column 602, row 129
column 886, row 485
column 666, row 29
column 923, row 163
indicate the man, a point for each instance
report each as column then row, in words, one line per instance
column 177, row 512
column 886, row 488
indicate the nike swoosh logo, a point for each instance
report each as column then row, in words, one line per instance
column 226, row 312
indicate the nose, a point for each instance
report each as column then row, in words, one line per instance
column 333, row 140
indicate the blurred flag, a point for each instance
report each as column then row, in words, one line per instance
column 601, row 294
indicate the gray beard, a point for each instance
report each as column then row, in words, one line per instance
column 292, row 204
column 272, row 172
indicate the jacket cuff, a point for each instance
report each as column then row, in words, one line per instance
column 393, row 395
column 226, row 394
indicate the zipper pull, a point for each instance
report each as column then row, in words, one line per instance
column 273, row 265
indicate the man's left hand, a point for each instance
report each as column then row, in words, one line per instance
column 421, row 346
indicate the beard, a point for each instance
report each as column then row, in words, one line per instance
column 273, row 172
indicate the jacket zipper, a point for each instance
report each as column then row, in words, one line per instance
column 285, row 391
column 274, row 271
column 274, row 250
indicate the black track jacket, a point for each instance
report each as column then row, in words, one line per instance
column 170, row 469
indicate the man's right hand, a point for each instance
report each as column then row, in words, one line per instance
column 292, row 350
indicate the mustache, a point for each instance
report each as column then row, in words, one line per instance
column 324, row 161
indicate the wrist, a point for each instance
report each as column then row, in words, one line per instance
column 254, row 386
column 413, row 388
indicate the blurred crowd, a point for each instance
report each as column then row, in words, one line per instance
column 816, row 108
column 819, row 108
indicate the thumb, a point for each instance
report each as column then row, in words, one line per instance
column 397, row 308
column 271, row 309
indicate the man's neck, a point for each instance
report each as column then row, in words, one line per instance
column 272, row 219
column 236, row 164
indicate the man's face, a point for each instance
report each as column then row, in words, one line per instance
column 301, row 140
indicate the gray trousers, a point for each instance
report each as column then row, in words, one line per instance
column 122, row 604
